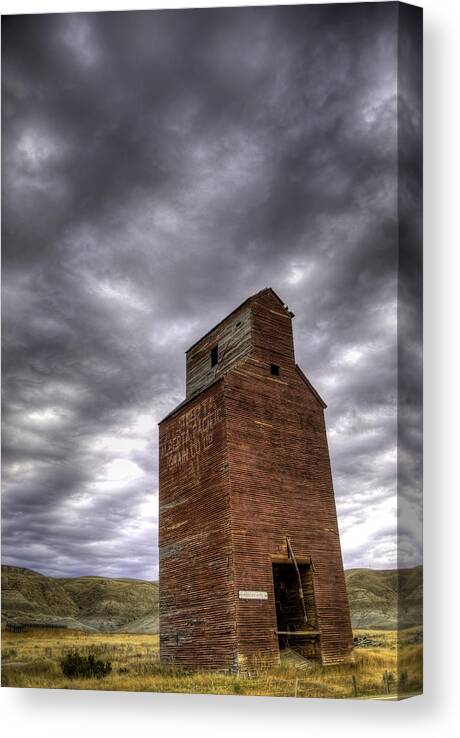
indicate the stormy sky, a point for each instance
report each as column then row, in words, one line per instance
column 158, row 168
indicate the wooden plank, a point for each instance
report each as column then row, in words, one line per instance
column 276, row 558
column 298, row 632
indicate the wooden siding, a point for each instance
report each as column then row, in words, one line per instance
column 272, row 332
column 233, row 337
column 197, row 607
column 281, row 485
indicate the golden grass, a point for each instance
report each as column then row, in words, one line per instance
column 32, row 659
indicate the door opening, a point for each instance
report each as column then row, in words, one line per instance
column 294, row 630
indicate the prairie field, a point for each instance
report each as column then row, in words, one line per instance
column 386, row 664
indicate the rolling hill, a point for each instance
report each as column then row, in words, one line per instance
column 83, row 603
column 131, row 605
column 387, row 598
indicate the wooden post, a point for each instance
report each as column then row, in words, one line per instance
column 386, row 682
column 291, row 554
column 355, row 686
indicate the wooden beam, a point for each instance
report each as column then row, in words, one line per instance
column 298, row 632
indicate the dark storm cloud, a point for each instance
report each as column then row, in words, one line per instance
column 159, row 167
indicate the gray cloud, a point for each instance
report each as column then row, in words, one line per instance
column 159, row 167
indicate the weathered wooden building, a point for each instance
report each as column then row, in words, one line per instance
column 250, row 558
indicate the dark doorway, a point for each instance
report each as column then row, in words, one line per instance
column 294, row 630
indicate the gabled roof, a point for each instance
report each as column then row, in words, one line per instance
column 248, row 300
column 191, row 398
column 310, row 386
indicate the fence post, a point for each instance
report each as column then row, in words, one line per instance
column 386, row 682
column 355, row 686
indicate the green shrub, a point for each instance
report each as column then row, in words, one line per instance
column 75, row 666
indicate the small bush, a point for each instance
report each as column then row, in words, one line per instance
column 75, row 666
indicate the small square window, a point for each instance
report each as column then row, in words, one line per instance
column 275, row 370
column 214, row 356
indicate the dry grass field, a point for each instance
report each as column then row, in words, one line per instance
column 32, row 659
